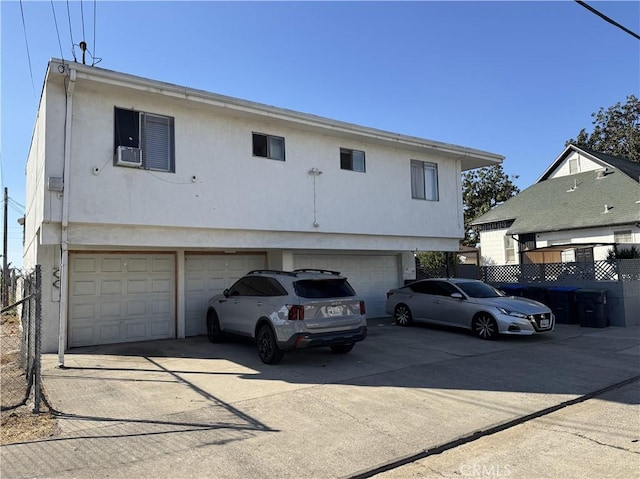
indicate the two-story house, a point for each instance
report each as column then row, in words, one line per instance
column 146, row 198
column 585, row 204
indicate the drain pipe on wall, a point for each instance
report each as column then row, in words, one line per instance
column 64, row 236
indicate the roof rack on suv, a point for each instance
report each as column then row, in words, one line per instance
column 313, row 270
column 271, row 271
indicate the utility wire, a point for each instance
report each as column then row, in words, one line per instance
column 73, row 45
column 607, row 19
column 24, row 28
column 55, row 20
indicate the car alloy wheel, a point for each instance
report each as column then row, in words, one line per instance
column 403, row 315
column 268, row 349
column 485, row 327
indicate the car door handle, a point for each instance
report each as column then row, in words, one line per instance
column 222, row 301
column 259, row 303
column 236, row 301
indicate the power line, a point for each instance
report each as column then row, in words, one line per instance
column 55, row 20
column 607, row 19
column 73, row 44
column 24, row 28
column 84, row 36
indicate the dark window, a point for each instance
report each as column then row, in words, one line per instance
column 479, row 290
column 352, row 160
column 325, row 288
column 242, row 287
column 153, row 134
column 268, row 146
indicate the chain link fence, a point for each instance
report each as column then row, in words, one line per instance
column 20, row 377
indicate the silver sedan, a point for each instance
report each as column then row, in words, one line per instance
column 469, row 304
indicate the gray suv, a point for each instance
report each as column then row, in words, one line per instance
column 285, row 310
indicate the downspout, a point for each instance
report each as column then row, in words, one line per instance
column 64, row 236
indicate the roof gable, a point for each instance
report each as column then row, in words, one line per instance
column 603, row 160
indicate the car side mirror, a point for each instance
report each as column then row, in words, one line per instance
column 457, row 296
column 226, row 293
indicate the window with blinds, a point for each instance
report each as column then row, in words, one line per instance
column 424, row 180
column 151, row 133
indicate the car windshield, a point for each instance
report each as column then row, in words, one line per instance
column 479, row 290
column 323, row 288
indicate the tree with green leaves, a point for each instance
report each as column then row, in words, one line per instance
column 483, row 189
column 616, row 131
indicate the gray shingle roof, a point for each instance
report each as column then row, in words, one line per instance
column 554, row 204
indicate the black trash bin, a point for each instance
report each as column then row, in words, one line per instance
column 513, row 289
column 593, row 311
column 562, row 301
column 537, row 293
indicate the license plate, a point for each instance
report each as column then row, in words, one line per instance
column 544, row 323
column 334, row 310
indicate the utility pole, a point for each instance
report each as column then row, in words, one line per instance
column 5, row 269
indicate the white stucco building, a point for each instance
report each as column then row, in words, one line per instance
column 145, row 198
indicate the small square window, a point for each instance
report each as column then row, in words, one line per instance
column 352, row 160
column 268, row 146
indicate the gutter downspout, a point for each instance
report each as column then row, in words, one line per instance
column 64, row 237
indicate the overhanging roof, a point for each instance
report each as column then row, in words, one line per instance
column 470, row 158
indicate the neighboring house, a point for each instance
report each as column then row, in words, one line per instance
column 146, row 198
column 583, row 205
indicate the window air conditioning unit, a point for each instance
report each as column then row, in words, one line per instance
column 128, row 156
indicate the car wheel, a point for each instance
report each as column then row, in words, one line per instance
column 342, row 348
column 214, row 333
column 268, row 349
column 485, row 327
column 402, row 314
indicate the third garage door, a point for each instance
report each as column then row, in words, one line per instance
column 371, row 275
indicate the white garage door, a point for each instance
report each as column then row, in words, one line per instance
column 206, row 275
column 117, row 298
column 370, row 275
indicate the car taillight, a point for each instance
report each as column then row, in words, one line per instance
column 296, row 312
column 362, row 308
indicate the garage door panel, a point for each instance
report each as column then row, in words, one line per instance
column 370, row 275
column 118, row 298
column 208, row 275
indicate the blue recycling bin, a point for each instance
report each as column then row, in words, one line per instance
column 593, row 311
column 537, row 293
column 513, row 289
column 562, row 301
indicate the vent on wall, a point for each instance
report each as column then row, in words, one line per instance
column 128, row 156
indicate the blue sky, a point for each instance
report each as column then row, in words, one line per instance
column 514, row 78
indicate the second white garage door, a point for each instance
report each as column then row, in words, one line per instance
column 209, row 274
column 370, row 275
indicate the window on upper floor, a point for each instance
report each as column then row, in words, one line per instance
column 573, row 166
column 144, row 140
column 268, row 146
column 352, row 160
column 424, row 180
column 622, row 237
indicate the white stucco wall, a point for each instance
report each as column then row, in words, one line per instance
column 219, row 188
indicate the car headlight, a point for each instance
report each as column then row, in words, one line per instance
column 515, row 314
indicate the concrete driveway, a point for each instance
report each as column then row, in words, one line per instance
column 189, row 408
